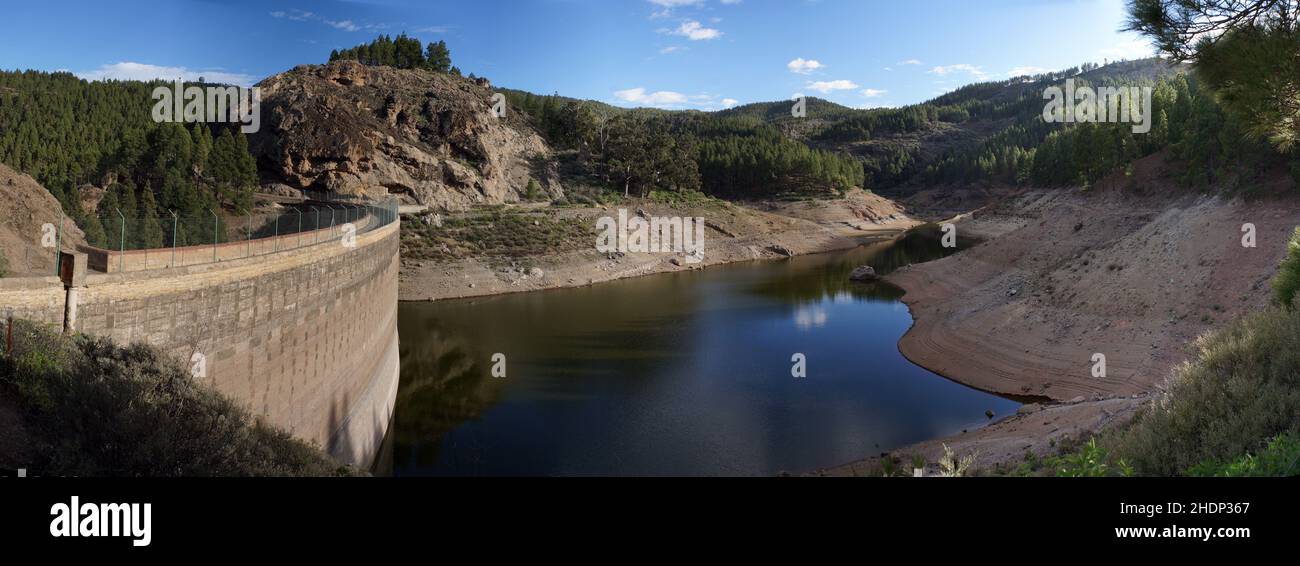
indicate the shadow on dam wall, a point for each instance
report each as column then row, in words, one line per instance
column 305, row 338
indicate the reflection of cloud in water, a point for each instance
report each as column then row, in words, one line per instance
column 809, row 317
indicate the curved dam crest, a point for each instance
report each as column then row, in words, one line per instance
column 306, row 339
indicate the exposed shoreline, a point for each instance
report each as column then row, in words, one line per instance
column 751, row 233
column 1063, row 275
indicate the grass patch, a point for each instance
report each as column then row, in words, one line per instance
column 92, row 408
column 496, row 234
column 682, row 198
column 1280, row 458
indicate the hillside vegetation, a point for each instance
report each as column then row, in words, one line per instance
column 87, row 407
column 67, row 133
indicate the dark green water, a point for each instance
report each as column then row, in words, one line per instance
column 675, row 374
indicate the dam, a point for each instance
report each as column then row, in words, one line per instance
column 300, row 329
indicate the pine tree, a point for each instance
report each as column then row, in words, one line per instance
column 150, row 232
column 438, row 57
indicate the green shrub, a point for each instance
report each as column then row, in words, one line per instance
column 92, row 408
column 1287, row 281
column 534, row 191
column 1091, row 461
column 1281, row 458
column 1243, row 387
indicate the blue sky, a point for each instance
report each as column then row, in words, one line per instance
column 705, row 54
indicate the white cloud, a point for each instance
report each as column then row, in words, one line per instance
column 659, row 98
column 803, row 66
column 1026, row 70
column 1133, row 48
column 131, row 71
column 873, row 92
column 890, row 69
column 910, row 62
column 959, row 68
column 671, row 49
column 295, row 15
column 345, row 25
column 672, row 100
column 826, row 87
column 695, row 31
column 667, row 6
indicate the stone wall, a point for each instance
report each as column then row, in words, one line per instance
column 305, row 338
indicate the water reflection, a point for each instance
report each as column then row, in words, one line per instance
column 686, row 373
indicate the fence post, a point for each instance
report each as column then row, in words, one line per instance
column 215, row 223
column 121, row 243
column 331, row 207
column 175, row 221
column 58, row 245
column 299, row 211
column 248, row 246
column 275, row 244
column 316, row 238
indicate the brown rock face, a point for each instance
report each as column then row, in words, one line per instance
column 25, row 208
column 429, row 138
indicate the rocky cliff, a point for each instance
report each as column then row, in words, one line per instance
column 25, row 208
column 426, row 137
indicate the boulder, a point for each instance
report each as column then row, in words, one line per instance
column 780, row 250
column 864, row 273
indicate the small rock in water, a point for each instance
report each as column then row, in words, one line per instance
column 780, row 249
column 864, row 273
column 1029, row 409
column 989, row 413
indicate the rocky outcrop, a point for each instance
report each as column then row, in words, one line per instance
column 864, row 273
column 25, row 208
column 429, row 138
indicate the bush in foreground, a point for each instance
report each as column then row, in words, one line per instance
column 92, row 408
column 1280, row 458
column 1287, row 281
column 1242, row 389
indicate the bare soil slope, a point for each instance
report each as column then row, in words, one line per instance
column 1134, row 269
column 25, row 207
column 734, row 232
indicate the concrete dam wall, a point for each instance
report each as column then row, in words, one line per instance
column 305, row 338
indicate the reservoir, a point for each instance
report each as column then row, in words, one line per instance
column 686, row 373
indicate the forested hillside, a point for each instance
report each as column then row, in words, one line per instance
column 723, row 154
column 990, row 133
column 66, row 132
